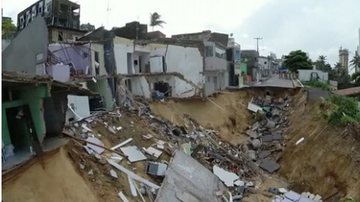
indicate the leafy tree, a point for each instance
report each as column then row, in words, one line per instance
column 297, row 60
column 87, row 27
column 344, row 79
column 356, row 78
column 8, row 28
column 155, row 20
column 355, row 62
column 322, row 65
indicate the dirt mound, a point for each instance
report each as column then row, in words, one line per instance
column 326, row 162
column 54, row 179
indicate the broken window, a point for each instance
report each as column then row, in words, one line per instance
column 220, row 53
column 97, row 63
column 209, row 51
column 60, row 36
column 162, row 89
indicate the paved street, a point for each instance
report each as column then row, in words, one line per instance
column 275, row 81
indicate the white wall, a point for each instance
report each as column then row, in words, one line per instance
column 96, row 47
column 305, row 74
column 80, row 105
column 122, row 46
column 140, row 86
column 187, row 61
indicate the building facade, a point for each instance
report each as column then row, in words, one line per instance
column 344, row 58
column 215, row 70
column 61, row 16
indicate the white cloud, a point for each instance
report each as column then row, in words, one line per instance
column 313, row 26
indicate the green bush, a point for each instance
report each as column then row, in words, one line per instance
column 317, row 84
column 345, row 110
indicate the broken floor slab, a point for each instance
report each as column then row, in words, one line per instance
column 133, row 153
column 269, row 165
column 187, row 179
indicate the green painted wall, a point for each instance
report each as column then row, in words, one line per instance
column 243, row 67
column 103, row 88
column 32, row 96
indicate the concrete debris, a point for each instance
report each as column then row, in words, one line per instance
column 86, row 128
column 91, row 172
column 152, row 151
column 116, row 157
column 132, row 175
column 256, row 143
column 121, row 144
column 254, row 108
column 132, row 187
column 95, row 140
column 82, row 166
column 147, row 136
column 269, row 165
column 225, row 176
column 122, row 197
column 113, row 174
column 299, row 141
column 291, row 196
column 133, row 153
column 156, row 168
column 192, row 182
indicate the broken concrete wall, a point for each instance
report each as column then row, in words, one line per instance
column 140, row 86
column 28, row 50
column 123, row 48
column 77, row 56
column 78, row 107
column 54, row 113
column 97, row 59
column 59, row 72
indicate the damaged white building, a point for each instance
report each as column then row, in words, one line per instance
column 171, row 68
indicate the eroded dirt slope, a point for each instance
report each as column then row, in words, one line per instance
column 55, row 179
column 326, row 162
column 226, row 112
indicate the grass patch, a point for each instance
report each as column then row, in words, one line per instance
column 343, row 110
column 317, row 84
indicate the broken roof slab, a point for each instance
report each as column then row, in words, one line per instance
column 188, row 180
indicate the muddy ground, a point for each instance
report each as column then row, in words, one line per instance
column 326, row 162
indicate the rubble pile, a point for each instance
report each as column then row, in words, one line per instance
column 194, row 140
column 266, row 134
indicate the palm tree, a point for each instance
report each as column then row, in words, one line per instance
column 355, row 62
column 155, row 20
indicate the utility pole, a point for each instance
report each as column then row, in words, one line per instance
column 257, row 43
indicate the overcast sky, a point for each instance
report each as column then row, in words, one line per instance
column 319, row 27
